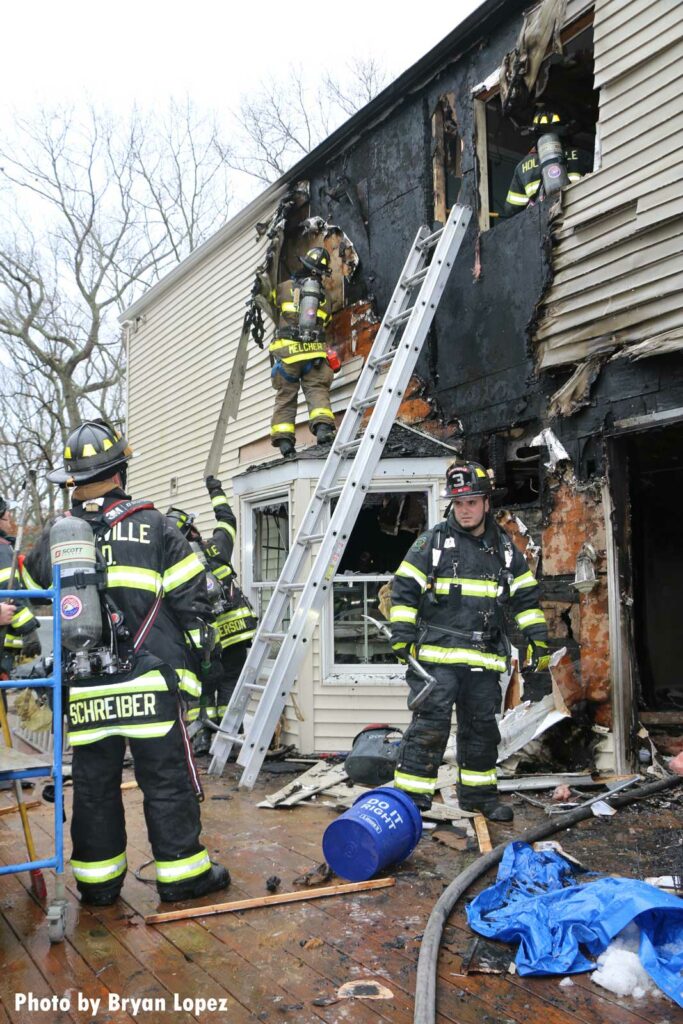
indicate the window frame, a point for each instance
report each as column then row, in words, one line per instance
column 252, row 504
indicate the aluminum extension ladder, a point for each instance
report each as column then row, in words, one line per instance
column 395, row 350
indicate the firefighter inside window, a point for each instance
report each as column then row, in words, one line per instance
column 386, row 527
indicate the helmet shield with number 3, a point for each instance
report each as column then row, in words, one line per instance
column 467, row 480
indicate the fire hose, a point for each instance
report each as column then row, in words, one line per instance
column 425, row 984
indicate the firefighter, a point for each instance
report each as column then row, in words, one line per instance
column 158, row 589
column 526, row 187
column 235, row 617
column 299, row 353
column 21, row 636
column 448, row 599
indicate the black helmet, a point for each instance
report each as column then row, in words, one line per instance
column 317, row 260
column 183, row 520
column 467, row 479
column 548, row 120
column 91, row 450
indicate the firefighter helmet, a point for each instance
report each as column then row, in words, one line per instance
column 91, row 450
column 548, row 119
column 183, row 520
column 467, row 480
column 317, row 260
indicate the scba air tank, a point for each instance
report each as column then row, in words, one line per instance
column 72, row 548
column 309, row 302
column 551, row 160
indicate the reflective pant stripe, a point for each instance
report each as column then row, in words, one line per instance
column 282, row 428
column 95, row 871
column 148, row 731
column 188, row 867
column 470, row 778
column 414, row 783
column 461, row 656
column 317, row 413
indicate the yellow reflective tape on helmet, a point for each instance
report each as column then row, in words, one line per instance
column 531, row 617
column 527, row 579
column 147, row 731
column 282, row 428
column 411, row 572
column 88, row 449
column 107, row 444
column 186, row 867
column 133, row 576
column 67, row 452
column 470, row 778
column 479, row 471
column 183, row 571
column 219, row 499
column 402, row 613
column 316, row 413
column 94, row 871
column 436, row 655
column 414, row 783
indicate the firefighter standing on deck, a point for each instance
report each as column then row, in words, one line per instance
column 21, row 636
column 526, row 186
column 235, row 620
column 158, row 585
column 447, row 610
column 300, row 355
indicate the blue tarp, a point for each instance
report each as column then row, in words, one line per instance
column 553, row 908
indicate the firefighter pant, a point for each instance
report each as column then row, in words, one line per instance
column 316, row 382
column 171, row 808
column 476, row 695
column 221, row 679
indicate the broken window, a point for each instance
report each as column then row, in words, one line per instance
column 269, row 540
column 446, row 158
column 386, row 526
column 565, row 84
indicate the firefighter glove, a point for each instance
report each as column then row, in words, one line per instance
column 213, row 484
column 402, row 651
column 538, row 656
column 31, row 646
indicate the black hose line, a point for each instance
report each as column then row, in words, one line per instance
column 425, row 984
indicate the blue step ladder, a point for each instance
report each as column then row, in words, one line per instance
column 15, row 766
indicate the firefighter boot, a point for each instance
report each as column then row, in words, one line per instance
column 487, row 804
column 324, row 434
column 216, row 878
column 286, row 446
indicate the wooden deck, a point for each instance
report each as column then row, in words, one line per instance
column 287, row 963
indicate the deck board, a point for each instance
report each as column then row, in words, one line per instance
column 259, row 961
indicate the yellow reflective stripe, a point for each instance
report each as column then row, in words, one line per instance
column 470, row 778
column 147, row 682
column 516, row 199
column 236, row 613
column 327, row 413
column 219, row 499
column 93, row 871
column 27, row 580
column 461, row 656
column 238, row 638
column 289, row 307
column 527, row 579
column 282, row 428
column 183, row 571
column 411, row 572
column 532, row 188
column 532, row 617
column 22, row 617
column 229, row 529
column 148, row 731
column 402, row 613
column 188, row 682
column 193, row 714
column 133, row 576
column 414, row 783
column 470, row 588
column 279, row 343
column 194, row 636
column 187, row 867
column 300, row 357
column 5, row 574
column 222, row 571
column 13, row 642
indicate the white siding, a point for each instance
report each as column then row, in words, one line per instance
column 618, row 254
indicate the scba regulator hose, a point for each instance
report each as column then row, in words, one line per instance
column 425, row 984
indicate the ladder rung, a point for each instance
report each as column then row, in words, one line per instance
column 347, row 446
column 381, row 360
column 272, row 636
column 255, row 686
column 400, row 318
column 430, row 240
column 311, row 538
column 410, row 282
column 291, row 586
column 364, row 403
column 239, row 740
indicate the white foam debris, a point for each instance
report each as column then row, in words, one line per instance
column 566, row 982
column 620, row 970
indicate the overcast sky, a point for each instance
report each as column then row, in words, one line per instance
column 146, row 50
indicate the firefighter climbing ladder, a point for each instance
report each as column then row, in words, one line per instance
column 380, row 387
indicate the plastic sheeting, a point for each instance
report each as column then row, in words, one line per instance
column 553, row 908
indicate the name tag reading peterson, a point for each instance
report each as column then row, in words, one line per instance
column 112, row 708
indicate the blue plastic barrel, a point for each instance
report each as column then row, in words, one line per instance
column 383, row 827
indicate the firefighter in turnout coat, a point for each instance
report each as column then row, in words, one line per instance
column 299, row 353
column 234, row 617
column 21, row 636
column 447, row 611
column 157, row 584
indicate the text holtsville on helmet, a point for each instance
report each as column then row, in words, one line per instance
column 90, row 451
column 317, row 260
column 467, row 480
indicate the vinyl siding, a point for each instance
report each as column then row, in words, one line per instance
column 618, row 249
